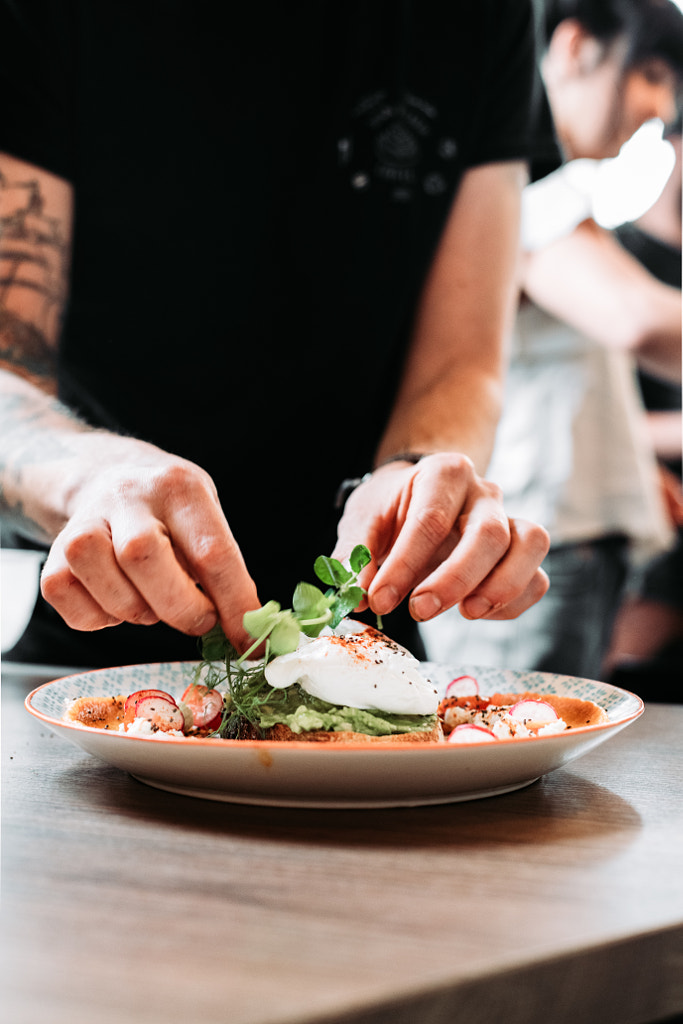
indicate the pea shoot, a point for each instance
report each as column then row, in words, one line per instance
column 280, row 630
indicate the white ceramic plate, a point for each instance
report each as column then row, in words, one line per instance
column 301, row 774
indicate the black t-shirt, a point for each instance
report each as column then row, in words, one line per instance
column 257, row 201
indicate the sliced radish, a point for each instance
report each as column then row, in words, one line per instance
column 133, row 698
column 132, row 701
column 163, row 713
column 462, row 686
column 470, row 733
column 533, row 712
column 205, row 704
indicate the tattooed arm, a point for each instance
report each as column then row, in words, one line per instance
column 132, row 528
column 35, row 234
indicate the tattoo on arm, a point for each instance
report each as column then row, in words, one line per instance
column 34, row 258
column 25, row 350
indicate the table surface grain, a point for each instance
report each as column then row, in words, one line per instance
column 562, row 901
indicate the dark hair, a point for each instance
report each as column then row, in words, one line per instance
column 653, row 28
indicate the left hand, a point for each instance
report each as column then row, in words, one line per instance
column 439, row 533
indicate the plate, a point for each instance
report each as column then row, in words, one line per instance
column 301, row 774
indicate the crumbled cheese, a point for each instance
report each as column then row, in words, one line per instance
column 143, row 727
column 498, row 720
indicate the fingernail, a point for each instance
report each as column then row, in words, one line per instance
column 385, row 600
column 424, row 606
column 206, row 623
column 476, row 607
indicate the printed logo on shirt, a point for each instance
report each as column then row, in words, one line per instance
column 396, row 147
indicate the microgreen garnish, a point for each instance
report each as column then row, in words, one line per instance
column 311, row 609
column 280, row 630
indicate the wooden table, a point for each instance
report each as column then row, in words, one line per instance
column 560, row 902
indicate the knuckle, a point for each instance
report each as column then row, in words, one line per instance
column 541, row 540
column 54, row 583
column 494, row 533
column 451, row 467
column 210, row 552
column 137, row 549
column 180, row 480
column 539, row 585
column 493, row 490
column 434, row 522
column 79, row 546
column 535, row 537
column 62, row 590
column 456, row 461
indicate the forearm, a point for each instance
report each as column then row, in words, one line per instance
column 37, row 434
column 657, row 346
column 451, row 391
column 458, row 412
column 665, row 431
column 587, row 280
column 41, row 444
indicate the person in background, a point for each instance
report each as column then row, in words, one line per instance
column 646, row 648
column 243, row 262
column 571, row 451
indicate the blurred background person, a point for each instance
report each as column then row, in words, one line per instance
column 646, row 650
column 571, row 451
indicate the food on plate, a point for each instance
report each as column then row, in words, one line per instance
column 322, row 678
column 462, row 686
column 505, row 716
column 97, row 712
column 325, row 678
column 353, row 684
column 144, row 712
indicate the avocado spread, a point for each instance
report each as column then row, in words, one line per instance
column 304, row 713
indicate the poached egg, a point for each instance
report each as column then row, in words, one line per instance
column 357, row 666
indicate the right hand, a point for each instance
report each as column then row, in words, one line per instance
column 439, row 533
column 146, row 541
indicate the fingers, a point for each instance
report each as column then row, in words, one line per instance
column 513, row 583
column 517, row 581
column 72, row 600
column 83, row 581
column 100, row 573
column 447, row 541
column 453, row 532
column 533, row 592
column 163, row 551
column 215, row 561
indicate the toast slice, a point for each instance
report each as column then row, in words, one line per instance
column 282, row 732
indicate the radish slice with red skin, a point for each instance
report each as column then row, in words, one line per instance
column 134, row 698
column 216, row 722
column 160, row 712
column 470, row 733
column 536, row 712
column 132, row 701
column 462, row 686
column 206, row 705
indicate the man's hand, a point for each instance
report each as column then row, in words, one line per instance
column 147, row 541
column 439, row 532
